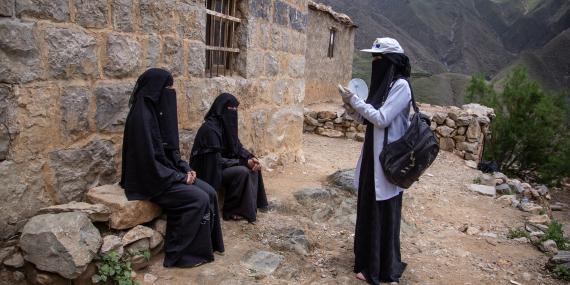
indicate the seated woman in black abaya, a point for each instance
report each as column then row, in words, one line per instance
column 153, row 170
column 220, row 159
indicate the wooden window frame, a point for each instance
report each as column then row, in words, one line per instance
column 332, row 42
column 221, row 46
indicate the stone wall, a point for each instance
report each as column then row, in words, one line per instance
column 459, row 130
column 67, row 69
column 324, row 73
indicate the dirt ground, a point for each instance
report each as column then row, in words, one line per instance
column 435, row 209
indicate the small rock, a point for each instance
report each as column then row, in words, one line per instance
column 160, row 226
column 522, row 240
column 549, row 246
column 138, row 246
column 137, row 233
column 507, row 200
column 15, row 261
column 527, row 277
column 312, row 194
column 5, row 252
column 472, row 231
column 491, row 241
column 343, row 179
column 329, row 132
column 530, row 207
column 112, row 243
column 534, row 230
column 487, row 180
column 539, row 219
column 563, row 256
column 298, row 241
column 542, row 190
column 554, row 207
column 18, row 276
column 471, row 164
column 261, row 263
column 96, row 212
column 482, row 189
column 517, row 185
column 504, row 189
column 149, row 278
column 156, row 239
column 359, row 137
column 489, row 235
column 501, row 176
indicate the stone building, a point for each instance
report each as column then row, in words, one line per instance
column 67, row 69
column 330, row 46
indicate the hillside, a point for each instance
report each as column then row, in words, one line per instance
column 467, row 37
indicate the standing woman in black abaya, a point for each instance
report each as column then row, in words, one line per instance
column 153, row 170
column 386, row 116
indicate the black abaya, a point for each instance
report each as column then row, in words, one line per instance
column 219, row 158
column 152, row 169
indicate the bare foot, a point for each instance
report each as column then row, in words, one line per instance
column 360, row 276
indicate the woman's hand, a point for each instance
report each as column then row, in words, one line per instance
column 254, row 164
column 345, row 93
column 191, row 177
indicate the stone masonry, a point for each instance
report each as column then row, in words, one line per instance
column 459, row 130
column 67, row 69
column 324, row 73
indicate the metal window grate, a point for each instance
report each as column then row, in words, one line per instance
column 332, row 39
column 221, row 47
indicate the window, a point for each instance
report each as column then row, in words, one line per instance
column 331, row 43
column 221, row 47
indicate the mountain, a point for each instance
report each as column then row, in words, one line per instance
column 454, row 39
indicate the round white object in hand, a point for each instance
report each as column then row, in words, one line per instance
column 358, row 86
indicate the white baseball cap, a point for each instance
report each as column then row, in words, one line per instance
column 385, row 45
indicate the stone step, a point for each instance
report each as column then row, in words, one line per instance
column 125, row 214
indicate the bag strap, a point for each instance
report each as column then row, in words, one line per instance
column 414, row 105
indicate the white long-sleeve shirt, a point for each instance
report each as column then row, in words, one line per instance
column 394, row 113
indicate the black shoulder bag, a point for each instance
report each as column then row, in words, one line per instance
column 406, row 159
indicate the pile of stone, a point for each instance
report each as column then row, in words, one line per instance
column 459, row 130
column 333, row 125
column 66, row 242
column 533, row 200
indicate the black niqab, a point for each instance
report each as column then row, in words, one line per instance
column 226, row 121
column 390, row 67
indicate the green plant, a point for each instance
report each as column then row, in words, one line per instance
column 518, row 233
column 529, row 136
column 146, row 254
column 556, row 233
column 113, row 268
column 561, row 272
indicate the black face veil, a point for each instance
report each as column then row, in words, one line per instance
column 228, row 119
column 153, row 85
column 384, row 71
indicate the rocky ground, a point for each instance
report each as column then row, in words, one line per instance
column 307, row 236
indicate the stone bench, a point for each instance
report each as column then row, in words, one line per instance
column 125, row 214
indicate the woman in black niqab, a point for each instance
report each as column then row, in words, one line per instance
column 377, row 233
column 220, row 159
column 152, row 169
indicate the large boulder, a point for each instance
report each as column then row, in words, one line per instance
column 125, row 214
column 61, row 243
